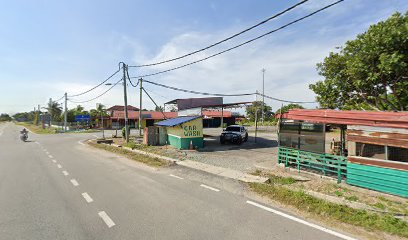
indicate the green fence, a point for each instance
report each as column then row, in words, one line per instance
column 377, row 178
column 326, row 164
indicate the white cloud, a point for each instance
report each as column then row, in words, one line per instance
column 290, row 68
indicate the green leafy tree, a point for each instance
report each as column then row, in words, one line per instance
column 250, row 111
column 369, row 72
column 286, row 108
column 24, row 116
column 78, row 110
column 4, row 117
column 159, row 109
column 55, row 110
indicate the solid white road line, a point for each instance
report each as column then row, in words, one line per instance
column 74, row 182
column 326, row 230
column 171, row 175
column 88, row 198
column 59, row 166
column 106, row 219
column 54, row 161
column 208, row 187
column 65, row 173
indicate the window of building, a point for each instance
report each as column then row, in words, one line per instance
column 303, row 136
column 370, row 151
column 381, row 152
column 398, row 154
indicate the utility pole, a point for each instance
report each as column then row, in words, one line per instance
column 263, row 95
column 256, row 122
column 38, row 115
column 125, row 100
column 65, row 113
column 49, row 111
column 140, row 106
column 103, row 126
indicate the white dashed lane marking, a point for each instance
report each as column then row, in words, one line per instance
column 54, row 161
column 171, row 175
column 108, row 221
column 65, row 173
column 74, row 182
column 326, row 230
column 88, row 198
column 50, row 156
column 208, row 187
column 59, row 166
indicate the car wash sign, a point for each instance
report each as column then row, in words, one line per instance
column 191, row 131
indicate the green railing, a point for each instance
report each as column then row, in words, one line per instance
column 327, row 164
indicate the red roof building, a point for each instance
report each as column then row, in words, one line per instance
column 145, row 115
column 363, row 118
column 121, row 108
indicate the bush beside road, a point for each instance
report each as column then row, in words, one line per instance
column 276, row 189
column 37, row 129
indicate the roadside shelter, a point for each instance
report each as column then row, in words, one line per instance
column 183, row 131
column 373, row 146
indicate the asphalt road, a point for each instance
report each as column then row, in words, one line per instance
column 54, row 187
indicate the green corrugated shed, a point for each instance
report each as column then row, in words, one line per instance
column 377, row 178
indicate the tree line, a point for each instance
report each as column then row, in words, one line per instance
column 369, row 72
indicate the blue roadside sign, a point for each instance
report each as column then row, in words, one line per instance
column 82, row 118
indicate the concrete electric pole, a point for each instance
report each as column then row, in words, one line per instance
column 125, row 100
column 65, row 113
column 140, row 107
column 38, row 116
column 263, row 95
column 49, row 111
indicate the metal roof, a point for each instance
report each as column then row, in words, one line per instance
column 363, row 118
column 176, row 121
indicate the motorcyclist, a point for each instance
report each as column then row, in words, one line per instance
column 24, row 134
column 24, row 131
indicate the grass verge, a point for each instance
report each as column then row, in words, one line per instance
column 304, row 202
column 153, row 162
column 84, row 131
column 37, row 129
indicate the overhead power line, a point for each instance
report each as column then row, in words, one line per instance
column 244, row 43
column 157, row 106
column 98, row 95
column 104, row 81
column 222, row 95
column 131, row 83
column 281, row 100
column 59, row 99
column 200, row 93
column 226, row 39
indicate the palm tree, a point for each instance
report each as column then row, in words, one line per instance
column 101, row 109
column 54, row 109
column 79, row 109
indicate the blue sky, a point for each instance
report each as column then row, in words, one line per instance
column 51, row 47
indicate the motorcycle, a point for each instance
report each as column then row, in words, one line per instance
column 23, row 136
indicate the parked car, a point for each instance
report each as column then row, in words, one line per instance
column 235, row 134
